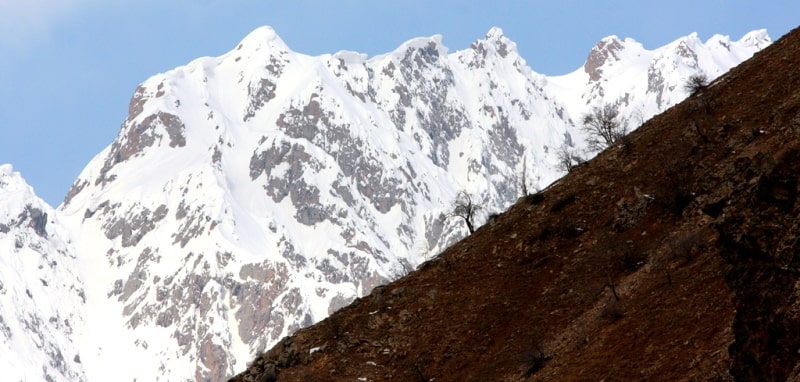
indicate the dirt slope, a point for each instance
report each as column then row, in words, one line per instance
column 671, row 256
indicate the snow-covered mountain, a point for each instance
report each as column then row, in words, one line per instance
column 643, row 83
column 254, row 193
column 41, row 294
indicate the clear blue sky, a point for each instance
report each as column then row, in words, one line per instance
column 69, row 67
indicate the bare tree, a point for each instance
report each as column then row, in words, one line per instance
column 612, row 284
column 696, row 83
column 604, row 127
column 465, row 208
column 662, row 263
column 568, row 158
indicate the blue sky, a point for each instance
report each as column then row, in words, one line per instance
column 69, row 67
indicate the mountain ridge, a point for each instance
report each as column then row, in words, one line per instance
column 265, row 180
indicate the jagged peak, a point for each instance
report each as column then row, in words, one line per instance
column 608, row 40
column 718, row 38
column 496, row 41
column 419, row 43
column 12, row 181
column 692, row 36
column 691, row 41
column 686, row 47
column 494, row 33
column 349, row 56
column 19, row 199
column 606, row 49
column 262, row 36
column 6, row 170
column 494, row 44
column 429, row 46
column 614, row 43
column 758, row 38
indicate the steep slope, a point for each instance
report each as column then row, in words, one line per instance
column 252, row 194
column 41, row 294
column 672, row 257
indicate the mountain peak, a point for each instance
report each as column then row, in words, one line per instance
column 12, row 182
column 494, row 33
column 264, row 35
column 607, row 49
column 758, row 38
column 495, row 43
column 432, row 43
column 608, row 40
column 6, row 170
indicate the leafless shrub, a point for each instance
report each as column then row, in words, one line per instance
column 687, row 246
column 535, row 199
column 630, row 210
column 568, row 158
column 696, row 83
column 631, row 259
column 563, row 202
column 677, row 192
column 604, row 126
column 466, row 209
column 661, row 262
column 534, row 359
column 612, row 285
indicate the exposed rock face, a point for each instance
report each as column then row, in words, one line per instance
column 673, row 257
column 604, row 53
column 252, row 194
column 41, row 294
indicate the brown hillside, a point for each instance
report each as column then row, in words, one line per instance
column 669, row 257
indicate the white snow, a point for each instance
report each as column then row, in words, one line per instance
column 41, row 309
